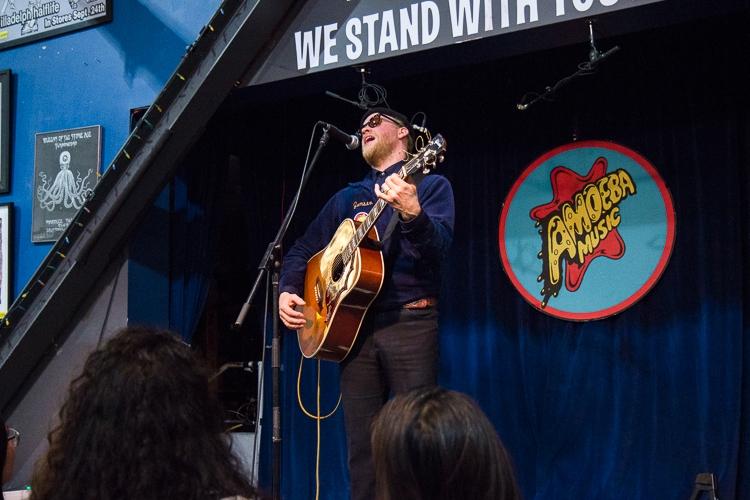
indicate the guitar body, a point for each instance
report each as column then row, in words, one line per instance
column 337, row 294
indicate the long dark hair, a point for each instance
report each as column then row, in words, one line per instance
column 139, row 422
column 436, row 444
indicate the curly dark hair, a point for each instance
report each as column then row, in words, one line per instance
column 139, row 422
column 435, row 444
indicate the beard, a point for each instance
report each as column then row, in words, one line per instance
column 375, row 153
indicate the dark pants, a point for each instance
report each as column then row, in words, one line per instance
column 396, row 351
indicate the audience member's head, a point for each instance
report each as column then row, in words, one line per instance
column 139, row 422
column 433, row 444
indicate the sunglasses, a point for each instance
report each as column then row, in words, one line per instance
column 376, row 119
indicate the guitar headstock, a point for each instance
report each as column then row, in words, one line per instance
column 427, row 158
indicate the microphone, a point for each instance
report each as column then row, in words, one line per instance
column 349, row 140
column 595, row 57
column 598, row 57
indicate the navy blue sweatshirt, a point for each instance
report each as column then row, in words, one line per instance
column 413, row 253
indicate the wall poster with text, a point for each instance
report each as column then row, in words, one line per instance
column 66, row 169
column 23, row 21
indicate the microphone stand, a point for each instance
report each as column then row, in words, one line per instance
column 271, row 263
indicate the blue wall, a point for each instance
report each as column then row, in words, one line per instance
column 89, row 77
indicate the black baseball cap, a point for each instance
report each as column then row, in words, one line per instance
column 391, row 113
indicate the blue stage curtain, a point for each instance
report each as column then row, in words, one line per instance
column 633, row 406
column 192, row 226
column 636, row 405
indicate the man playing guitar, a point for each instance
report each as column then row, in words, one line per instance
column 396, row 349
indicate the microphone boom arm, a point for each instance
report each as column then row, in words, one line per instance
column 584, row 69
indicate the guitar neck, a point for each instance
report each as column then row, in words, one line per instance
column 424, row 161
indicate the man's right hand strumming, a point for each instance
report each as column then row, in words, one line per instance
column 291, row 317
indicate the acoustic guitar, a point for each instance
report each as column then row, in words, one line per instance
column 343, row 279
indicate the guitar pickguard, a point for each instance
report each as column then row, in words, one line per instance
column 331, row 264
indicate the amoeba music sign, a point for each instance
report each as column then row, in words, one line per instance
column 586, row 230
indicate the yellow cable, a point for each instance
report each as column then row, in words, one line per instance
column 317, row 417
column 317, row 439
column 299, row 396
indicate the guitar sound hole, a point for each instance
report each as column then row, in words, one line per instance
column 338, row 268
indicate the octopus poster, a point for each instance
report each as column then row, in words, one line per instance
column 66, row 169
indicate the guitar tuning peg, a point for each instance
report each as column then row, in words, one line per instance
column 441, row 158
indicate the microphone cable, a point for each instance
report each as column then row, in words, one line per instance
column 371, row 94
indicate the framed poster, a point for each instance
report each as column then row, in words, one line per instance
column 66, row 169
column 4, row 130
column 23, row 21
column 6, row 224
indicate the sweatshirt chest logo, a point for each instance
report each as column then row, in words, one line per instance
column 360, row 216
column 358, row 204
